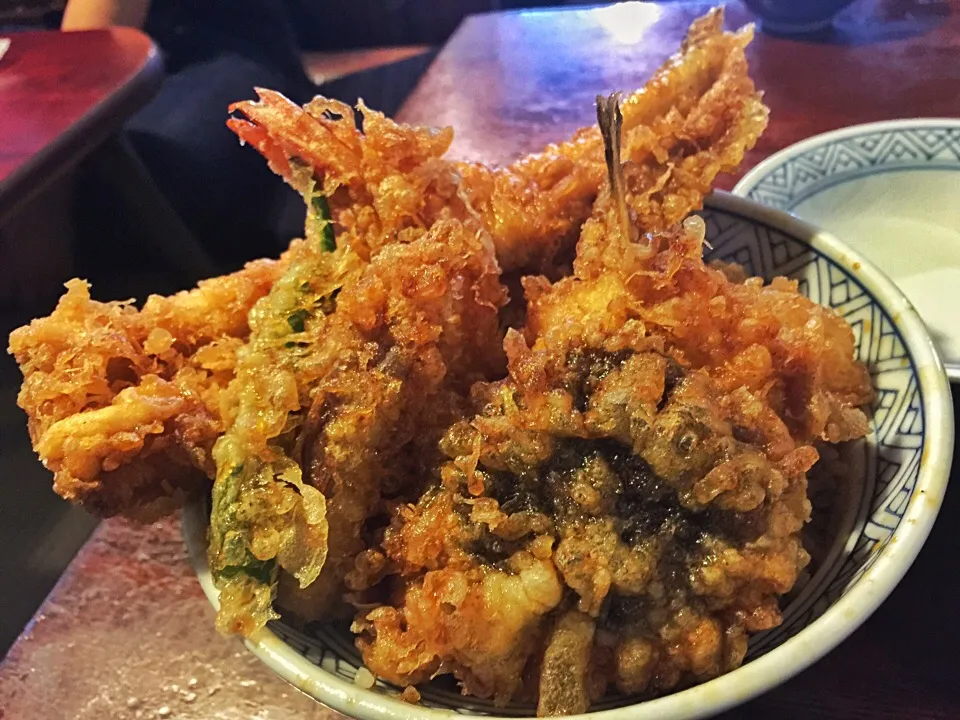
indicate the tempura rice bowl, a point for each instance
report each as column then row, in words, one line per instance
column 884, row 511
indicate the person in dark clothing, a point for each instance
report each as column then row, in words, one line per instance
column 215, row 53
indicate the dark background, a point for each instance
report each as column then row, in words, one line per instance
column 339, row 24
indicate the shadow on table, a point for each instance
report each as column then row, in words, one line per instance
column 39, row 532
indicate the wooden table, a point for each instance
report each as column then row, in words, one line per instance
column 128, row 634
column 511, row 83
column 61, row 95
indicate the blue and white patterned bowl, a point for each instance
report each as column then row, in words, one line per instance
column 898, row 476
column 890, row 190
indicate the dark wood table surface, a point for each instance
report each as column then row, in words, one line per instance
column 128, row 634
column 61, row 95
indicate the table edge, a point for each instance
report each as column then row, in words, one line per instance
column 80, row 139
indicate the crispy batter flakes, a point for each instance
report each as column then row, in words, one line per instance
column 123, row 404
column 693, row 120
column 651, row 440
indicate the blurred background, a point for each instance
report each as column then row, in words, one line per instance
column 335, row 24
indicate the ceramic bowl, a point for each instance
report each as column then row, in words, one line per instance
column 897, row 478
column 890, row 190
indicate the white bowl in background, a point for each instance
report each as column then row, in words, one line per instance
column 891, row 190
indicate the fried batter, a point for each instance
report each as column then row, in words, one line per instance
column 693, row 120
column 386, row 185
column 348, row 366
column 566, row 666
column 455, row 613
column 123, row 404
column 653, row 434
column 423, row 321
column 671, row 508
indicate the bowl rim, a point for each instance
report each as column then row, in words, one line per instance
column 759, row 172
column 777, row 665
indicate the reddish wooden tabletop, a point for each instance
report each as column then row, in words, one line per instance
column 128, row 634
column 511, row 83
column 61, row 94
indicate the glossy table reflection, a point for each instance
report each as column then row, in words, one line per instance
column 128, row 634
column 511, row 83
column 61, row 95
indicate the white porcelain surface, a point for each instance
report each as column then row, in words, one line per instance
column 898, row 478
column 891, row 190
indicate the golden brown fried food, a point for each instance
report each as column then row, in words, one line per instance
column 385, row 185
column 670, row 505
column 455, row 613
column 418, row 330
column 389, row 184
column 377, row 363
column 565, row 671
column 693, row 120
column 654, row 433
column 123, row 404
column 766, row 340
